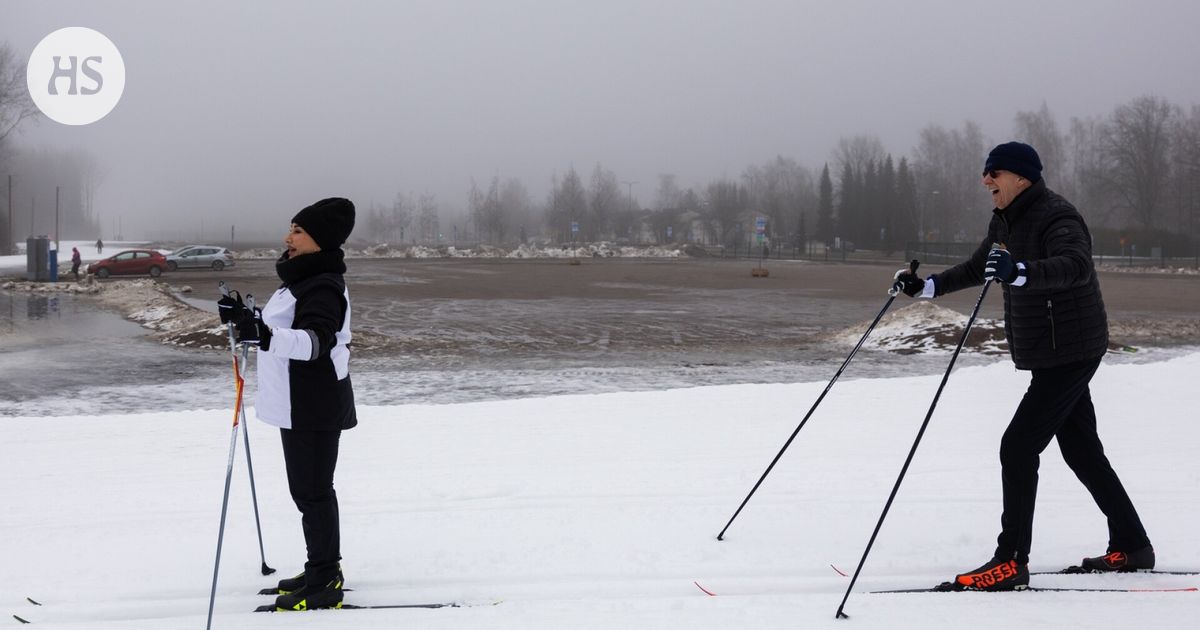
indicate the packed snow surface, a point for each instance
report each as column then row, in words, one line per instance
column 600, row 511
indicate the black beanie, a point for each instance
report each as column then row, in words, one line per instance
column 328, row 222
column 1015, row 157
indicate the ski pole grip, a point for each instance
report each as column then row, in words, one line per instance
column 913, row 265
column 224, row 289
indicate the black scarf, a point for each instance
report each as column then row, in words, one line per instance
column 292, row 270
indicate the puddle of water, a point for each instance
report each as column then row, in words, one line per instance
column 59, row 346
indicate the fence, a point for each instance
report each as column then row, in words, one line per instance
column 941, row 254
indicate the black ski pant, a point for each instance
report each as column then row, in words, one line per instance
column 310, row 457
column 1058, row 404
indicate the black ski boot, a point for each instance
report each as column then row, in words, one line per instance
column 1121, row 562
column 288, row 585
column 293, row 584
column 996, row 575
column 309, row 597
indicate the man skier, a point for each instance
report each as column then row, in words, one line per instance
column 1040, row 250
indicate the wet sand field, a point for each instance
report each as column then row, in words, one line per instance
column 628, row 307
column 451, row 330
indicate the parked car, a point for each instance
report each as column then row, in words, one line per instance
column 200, row 257
column 130, row 262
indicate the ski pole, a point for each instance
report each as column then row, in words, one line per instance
column 212, row 597
column 913, row 451
column 225, row 292
column 262, row 554
column 892, row 293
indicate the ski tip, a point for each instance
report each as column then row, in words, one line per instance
column 269, row 591
column 20, row 619
column 839, row 571
column 706, row 591
column 265, row 608
column 31, row 601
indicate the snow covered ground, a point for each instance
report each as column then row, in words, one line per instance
column 599, row 511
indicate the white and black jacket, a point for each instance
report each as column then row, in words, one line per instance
column 303, row 374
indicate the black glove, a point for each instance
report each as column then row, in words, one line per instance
column 908, row 282
column 1001, row 267
column 231, row 308
column 252, row 331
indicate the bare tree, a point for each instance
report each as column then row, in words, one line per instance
column 1089, row 165
column 388, row 225
column 726, row 203
column 858, row 151
column 780, row 189
column 567, row 203
column 402, row 213
column 15, row 107
column 92, row 176
column 948, row 164
column 488, row 213
column 1040, row 130
column 668, row 194
column 1139, row 146
column 427, row 219
column 1185, row 178
column 15, row 104
column 604, row 201
column 908, row 219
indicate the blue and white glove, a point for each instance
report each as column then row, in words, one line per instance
column 1001, row 268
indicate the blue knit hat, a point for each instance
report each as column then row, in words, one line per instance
column 1015, row 157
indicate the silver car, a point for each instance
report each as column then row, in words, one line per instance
column 200, row 257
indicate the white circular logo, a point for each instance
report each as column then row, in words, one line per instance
column 75, row 75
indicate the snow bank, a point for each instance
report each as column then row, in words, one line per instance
column 587, row 250
column 926, row 327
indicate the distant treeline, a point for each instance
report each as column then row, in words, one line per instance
column 1135, row 174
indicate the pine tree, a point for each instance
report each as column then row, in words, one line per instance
column 907, row 216
column 825, row 208
column 887, row 203
column 848, row 204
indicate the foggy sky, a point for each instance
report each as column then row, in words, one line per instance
column 245, row 114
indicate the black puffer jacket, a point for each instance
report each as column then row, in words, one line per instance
column 1057, row 317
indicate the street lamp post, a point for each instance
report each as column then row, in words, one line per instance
column 630, row 185
column 921, row 215
column 11, row 236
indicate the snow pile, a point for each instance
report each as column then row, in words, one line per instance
column 595, row 250
column 602, row 249
column 1174, row 271
column 88, row 286
column 926, row 327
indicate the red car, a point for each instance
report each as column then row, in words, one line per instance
column 130, row 262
